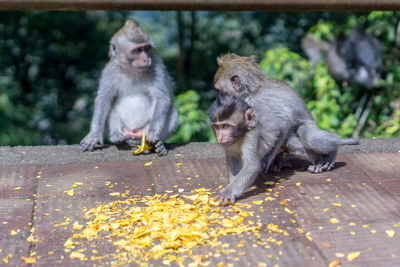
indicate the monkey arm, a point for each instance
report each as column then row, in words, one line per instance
column 102, row 107
column 161, row 95
column 238, row 183
column 251, row 166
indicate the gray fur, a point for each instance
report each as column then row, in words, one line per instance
column 134, row 99
column 283, row 121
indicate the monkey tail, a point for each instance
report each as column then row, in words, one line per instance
column 349, row 141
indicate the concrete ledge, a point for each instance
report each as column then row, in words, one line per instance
column 58, row 155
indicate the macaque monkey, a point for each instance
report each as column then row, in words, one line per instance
column 236, row 130
column 356, row 58
column 283, row 120
column 135, row 94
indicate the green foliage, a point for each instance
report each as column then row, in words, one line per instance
column 193, row 122
column 50, row 62
column 392, row 127
column 290, row 67
column 382, row 120
column 315, row 86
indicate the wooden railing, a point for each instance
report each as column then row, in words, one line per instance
column 212, row 5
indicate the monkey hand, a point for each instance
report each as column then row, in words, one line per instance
column 224, row 195
column 152, row 138
column 90, row 141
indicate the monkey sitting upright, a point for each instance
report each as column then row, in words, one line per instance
column 134, row 94
column 282, row 117
column 237, row 131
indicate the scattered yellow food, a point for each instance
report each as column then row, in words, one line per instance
column 390, row 233
column 70, row 193
column 12, row 232
column 77, row 226
column 334, row 263
column 143, row 145
column 6, row 259
column 334, row 220
column 353, row 255
column 336, row 205
column 77, row 184
column 147, row 164
column 78, row 255
column 164, row 227
column 288, row 210
column 28, row 260
column 298, row 184
column 308, row 236
column 17, row 188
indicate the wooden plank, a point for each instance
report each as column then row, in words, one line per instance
column 219, row 5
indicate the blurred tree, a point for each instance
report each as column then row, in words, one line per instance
column 193, row 122
column 49, row 65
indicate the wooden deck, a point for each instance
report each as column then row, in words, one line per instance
column 349, row 215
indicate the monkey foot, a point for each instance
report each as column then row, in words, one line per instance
column 224, row 197
column 278, row 166
column 160, row 148
column 318, row 168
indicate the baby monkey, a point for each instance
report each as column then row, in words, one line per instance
column 236, row 130
column 283, row 119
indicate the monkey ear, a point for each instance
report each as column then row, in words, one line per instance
column 236, row 82
column 219, row 61
column 250, row 118
column 112, row 51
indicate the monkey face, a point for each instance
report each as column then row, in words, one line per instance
column 140, row 55
column 132, row 47
column 224, row 132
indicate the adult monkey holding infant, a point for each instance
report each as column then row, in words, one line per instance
column 134, row 94
column 283, row 123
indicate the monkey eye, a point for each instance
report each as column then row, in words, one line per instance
column 140, row 49
column 136, row 50
column 147, row 48
column 226, row 126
